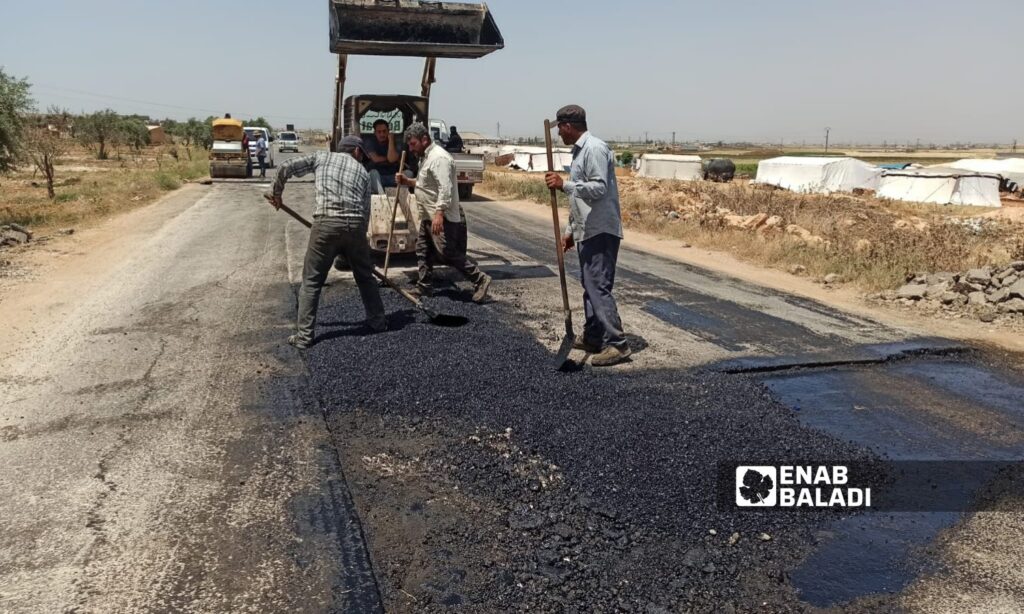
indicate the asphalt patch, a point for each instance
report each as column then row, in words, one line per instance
column 542, row 491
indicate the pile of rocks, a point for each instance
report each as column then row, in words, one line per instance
column 986, row 292
column 14, row 234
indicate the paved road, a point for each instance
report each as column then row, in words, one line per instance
column 164, row 450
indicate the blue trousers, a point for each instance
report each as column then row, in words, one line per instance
column 598, row 256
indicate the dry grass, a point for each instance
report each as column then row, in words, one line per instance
column 88, row 189
column 875, row 244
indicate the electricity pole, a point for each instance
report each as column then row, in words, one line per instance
column 499, row 131
column 827, row 130
column 673, row 138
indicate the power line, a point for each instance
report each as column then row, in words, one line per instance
column 165, row 105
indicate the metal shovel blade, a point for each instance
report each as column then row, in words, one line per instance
column 561, row 360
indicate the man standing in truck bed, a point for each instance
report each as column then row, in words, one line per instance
column 443, row 232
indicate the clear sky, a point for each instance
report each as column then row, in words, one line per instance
column 894, row 70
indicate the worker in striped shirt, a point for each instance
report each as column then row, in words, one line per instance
column 340, row 218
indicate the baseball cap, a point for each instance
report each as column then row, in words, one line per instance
column 570, row 113
column 351, row 142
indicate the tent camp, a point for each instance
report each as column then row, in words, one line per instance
column 666, row 166
column 1010, row 169
column 941, row 186
column 534, row 159
column 818, row 175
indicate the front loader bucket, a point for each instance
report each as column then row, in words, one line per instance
column 413, row 28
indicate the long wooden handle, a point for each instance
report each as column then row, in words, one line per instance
column 558, row 231
column 291, row 212
column 394, row 214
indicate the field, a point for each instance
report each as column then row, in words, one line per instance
column 873, row 243
column 87, row 188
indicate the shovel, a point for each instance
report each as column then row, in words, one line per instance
column 440, row 319
column 562, row 357
column 394, row 214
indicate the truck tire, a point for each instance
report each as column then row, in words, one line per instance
column 465, row 191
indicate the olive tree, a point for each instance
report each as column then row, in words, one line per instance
column 15, row 104
column 45, row 143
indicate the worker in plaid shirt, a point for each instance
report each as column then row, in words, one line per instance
column 340, row 218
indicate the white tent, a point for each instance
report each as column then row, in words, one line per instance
column 818, row 175
column 941, row 186
column 666, row 166
column 1010, row 169
column 534, row 159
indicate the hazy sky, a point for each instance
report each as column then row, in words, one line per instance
column 872, row 70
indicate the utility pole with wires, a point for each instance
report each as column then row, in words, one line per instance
column 499, row 131
column 827, row 130
column 673, row 138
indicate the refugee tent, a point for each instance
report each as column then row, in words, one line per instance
column 941, row 186
column 1010, row 169
column 534, row 159
column 667, row 166
column 818, row 175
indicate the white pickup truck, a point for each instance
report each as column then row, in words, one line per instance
column 288, row 141
column 254, row 133
column 469, row 168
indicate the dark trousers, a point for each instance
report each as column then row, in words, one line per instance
column 598, row 256
column 263, row 165
column 328, row 238
column 448, row 248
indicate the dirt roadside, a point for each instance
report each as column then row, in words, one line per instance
column 844, row 298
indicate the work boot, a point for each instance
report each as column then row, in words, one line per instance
column 582, row 344
column 611, row 355
column 298, row 342
column 481, row 289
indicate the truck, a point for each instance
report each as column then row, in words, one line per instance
column 254, row 133
column 469, row 168
column 288, row 140
column 408, row 28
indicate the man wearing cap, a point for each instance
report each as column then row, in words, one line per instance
column 595, row 228
column 443, row 233
column 340, row 218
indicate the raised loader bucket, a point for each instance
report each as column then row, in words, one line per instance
column 413, row 28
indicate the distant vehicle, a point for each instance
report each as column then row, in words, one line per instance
column 255, row 132
column 226, row 156
column 469, row 168
column 288, row 141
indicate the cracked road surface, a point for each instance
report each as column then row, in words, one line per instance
column 164, row 450
column 159, row 449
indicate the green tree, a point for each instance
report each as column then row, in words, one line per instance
column 15, row 104
column 626, row 158
column 98, row 130
column 259, row 122
column 171, row 127
column 132, row 131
